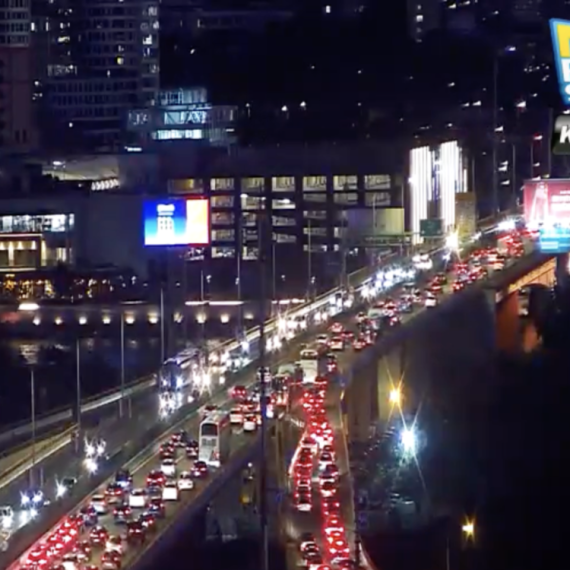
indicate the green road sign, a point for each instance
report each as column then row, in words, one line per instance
column 432, row 228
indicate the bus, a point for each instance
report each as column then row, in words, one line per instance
column 309, row 364
column 214, row 439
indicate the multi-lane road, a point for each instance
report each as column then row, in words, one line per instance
column 127, row 435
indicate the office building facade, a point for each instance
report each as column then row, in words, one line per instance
column 99, row 59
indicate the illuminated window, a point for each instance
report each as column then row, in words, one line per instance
column 349, row 198
column 317, row 232
column 314, row 183
column 282, row 221
column 284, row 204
column 284, row 238
column 186, row 186
column 223, row 252
column 56, row 223
column 344, row 182
column 283, row 183
column 318, row 198
column 222, row 201
column 250, row 253
column 222, row 218
column 377, row 182
column 217, row 184
column 223, row 235
column 252, row 202
column 378, row 199
column 315, row 214
column 254, row 184
column 248, row 219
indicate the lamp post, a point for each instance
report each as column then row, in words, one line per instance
column 79, row 437
column 33, row 413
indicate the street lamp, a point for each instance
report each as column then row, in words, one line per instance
column 395, row 396
column 468, row 529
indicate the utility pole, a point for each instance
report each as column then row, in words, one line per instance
column 263, row 246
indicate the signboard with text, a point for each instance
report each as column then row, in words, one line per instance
column 432, row 228
column 547, row 202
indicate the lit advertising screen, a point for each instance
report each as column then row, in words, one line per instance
column 547, row 202
column 554, row 239
column 177, row 221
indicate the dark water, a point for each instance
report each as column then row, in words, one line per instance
column 55, row 368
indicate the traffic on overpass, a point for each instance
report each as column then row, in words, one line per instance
column 140, row 501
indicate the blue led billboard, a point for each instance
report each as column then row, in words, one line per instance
column 554, row 239
column 177, row 221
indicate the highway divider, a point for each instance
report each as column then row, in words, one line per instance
column 43, row 449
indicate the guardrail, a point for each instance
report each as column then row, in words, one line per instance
column 354, row 279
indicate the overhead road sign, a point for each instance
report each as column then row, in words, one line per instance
column 432, row 228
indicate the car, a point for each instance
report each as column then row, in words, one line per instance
column 136, row 532
column 239, row 393
column 98, row 535
column 236, row 416
column 111, row 561
column 185, row 481
column 336, row 328
column 310, row 443
column 115, row 544
column 179, row 438
column 250, row 423
column 201, row 467
column 359, row 344
column 170, row 491
column 339, row 549
column 307, row 539
column 122, row 514
column 148, row 520
column 168, row 467
column 114, row 493
column 337, row 343
column 192, row 448
column 84, row 551
column 430, row 301
column 303, row 503
column 328, row 489
column 138, row 499
column 303, row 486
column 99, row 504
column 155, row 478
column 89, row 515
column 156, row 507
column 124, row 478
column 330, row 507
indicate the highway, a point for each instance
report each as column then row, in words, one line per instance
column 128, row 435
column 300, row 525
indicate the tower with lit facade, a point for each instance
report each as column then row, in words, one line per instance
column 101, row 59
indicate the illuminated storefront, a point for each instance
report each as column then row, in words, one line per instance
column 31, row 242
column 437, row 175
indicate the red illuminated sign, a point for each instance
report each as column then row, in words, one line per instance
column 547, row 202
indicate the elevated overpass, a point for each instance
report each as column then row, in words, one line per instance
column 243, row 455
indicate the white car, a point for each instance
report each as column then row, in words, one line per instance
column 168, row 467
column 185, row 481
column 99, row 504
column 430, row 301
column 323, row 339
column 249, row 424
column 170, row 491
column 236, row 417
column 115, row 544
column 138, row 499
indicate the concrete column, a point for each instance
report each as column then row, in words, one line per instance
column 507, row 324
column 359, row 402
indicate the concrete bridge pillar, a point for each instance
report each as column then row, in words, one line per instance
column 389, row 380
column 507, row 323
column 360, row 401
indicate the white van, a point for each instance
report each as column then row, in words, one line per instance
column 170, row 491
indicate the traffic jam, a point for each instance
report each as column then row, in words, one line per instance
column 130, row 509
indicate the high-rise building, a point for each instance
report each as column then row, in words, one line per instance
column 98, row 59
column 423, row 17
column 17, row 132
